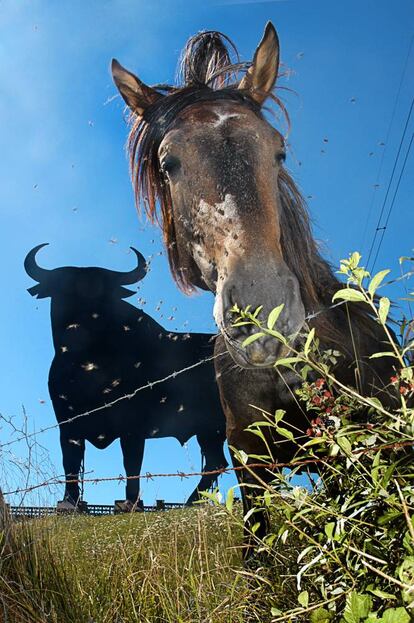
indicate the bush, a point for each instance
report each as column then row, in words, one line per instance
column 354, row 528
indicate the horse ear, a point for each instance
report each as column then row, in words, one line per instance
column 261, row 76
column 137, row 95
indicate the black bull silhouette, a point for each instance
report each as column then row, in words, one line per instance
column 106, row 348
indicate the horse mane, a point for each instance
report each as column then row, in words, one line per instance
column 206, row 72
column 315, row 275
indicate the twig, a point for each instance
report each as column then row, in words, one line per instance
column 405, row 509
column 406, row 587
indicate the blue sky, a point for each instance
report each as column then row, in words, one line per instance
column 64, row 175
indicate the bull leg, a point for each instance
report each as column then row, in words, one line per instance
column 73, row 451
column 212, row 450
column 133, row 453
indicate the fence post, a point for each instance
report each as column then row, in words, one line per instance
column 160, row 505
column 5, row 524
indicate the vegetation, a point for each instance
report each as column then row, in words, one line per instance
column 178, row 566
column 340, row 551
column 356, row 529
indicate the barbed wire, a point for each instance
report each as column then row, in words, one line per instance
column 108, row 405
column 174, row 374
column 398, row 445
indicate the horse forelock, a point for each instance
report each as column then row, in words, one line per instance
column 207, row 59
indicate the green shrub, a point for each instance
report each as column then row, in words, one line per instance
column 345, row 549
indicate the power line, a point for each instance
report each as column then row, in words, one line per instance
column 393, row 200
column 378, row 228
column 387, row 139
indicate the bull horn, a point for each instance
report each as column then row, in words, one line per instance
column 137, row 273
column 31, row 266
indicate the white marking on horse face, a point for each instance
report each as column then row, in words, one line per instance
column 200, row 258
column 218, row 309
column 222, row 117
column 219, row 231
column 224, row 216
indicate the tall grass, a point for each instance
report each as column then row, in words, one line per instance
column 177, row 567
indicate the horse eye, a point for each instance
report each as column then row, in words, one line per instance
column 170, row 165
column 280, row 157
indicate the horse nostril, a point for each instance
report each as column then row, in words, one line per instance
column 229, row 300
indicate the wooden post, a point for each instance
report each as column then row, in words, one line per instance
column 5, row 524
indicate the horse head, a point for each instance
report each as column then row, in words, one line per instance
column 233, row 221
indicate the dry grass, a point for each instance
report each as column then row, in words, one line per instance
column 179, row 567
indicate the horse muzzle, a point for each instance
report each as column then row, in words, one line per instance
column 266, row 350
column 263, row 353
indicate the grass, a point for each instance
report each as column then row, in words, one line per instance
column 179, row 566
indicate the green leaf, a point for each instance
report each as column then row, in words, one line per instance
column 354, row 259
column 287, row 362
column 308, row 342
column 345, row 445
column 267, row 497
column 349, row 294
column 406, row 575
column 379, row 593
column 303, row 598
column 275, row 612
column 257, row 311
column 274, row 315
column 252, row 338
column 257, row 432
column 230, row 499
column 321, row 615
column 376, row 280
column 277, row 335
column 376, row 467
column 330, row 529
column 376, row 401
column 242, row 457
column 279, row 415
column 395, row 615
column 285, row 432
column 383, row 309
column 357, row 607
column 255, row 527
column 384, row 354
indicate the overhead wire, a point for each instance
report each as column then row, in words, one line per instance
column 396, row 159
column 397, row 97
column 383, row 229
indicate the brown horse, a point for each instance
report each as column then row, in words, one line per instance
column 235, row 223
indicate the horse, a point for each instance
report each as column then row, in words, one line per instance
column 235, row 223
column 106, row 349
